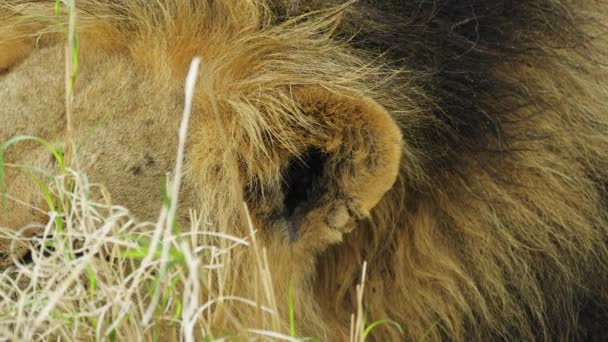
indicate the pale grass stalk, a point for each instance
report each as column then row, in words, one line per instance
column 257, row 298
column 81, row 186
column 191, row 294
column 357, row 328
column 163, row 237
column 21, row 317
column 69, row 85
column 274, row 335
column 174, row 195
column 270, row 290
column 195, row 233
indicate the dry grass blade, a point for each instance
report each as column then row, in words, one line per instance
column 175, row 184
column 358, row 320
column 71, row 71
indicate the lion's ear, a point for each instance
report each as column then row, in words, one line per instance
column 346, row 168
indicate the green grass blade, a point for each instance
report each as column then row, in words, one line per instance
column 92, row 282
column 292, row 320
column 57, row 154
column 375, row 324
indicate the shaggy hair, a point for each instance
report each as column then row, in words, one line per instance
column 482, row 217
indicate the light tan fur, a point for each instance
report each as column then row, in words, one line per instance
column 472, row 257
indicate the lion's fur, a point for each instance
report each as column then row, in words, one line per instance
column 496, row 223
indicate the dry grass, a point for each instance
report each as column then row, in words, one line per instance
column 93, row 273
column 98, row 275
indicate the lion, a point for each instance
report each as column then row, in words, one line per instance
column 460, row 148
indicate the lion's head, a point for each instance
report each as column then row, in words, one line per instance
column 479, row 207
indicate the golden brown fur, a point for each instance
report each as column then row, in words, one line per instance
column 502, row 236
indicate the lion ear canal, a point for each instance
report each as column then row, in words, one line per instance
column 349, row 163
